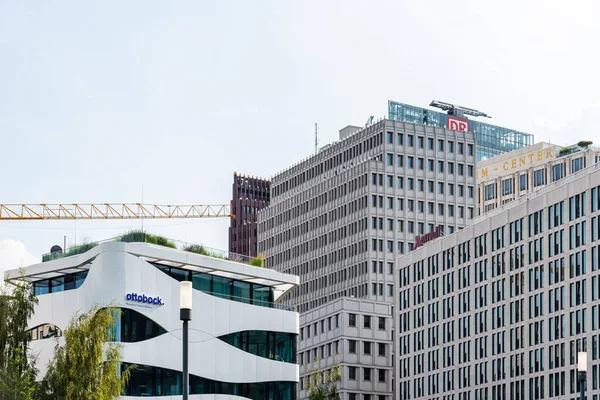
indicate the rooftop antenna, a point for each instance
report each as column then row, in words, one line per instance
column 316, row 138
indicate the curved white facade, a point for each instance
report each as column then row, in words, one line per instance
column 117, row 269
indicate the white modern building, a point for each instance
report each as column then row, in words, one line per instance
column 242, row 343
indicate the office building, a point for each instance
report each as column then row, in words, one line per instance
column 500, row 309
column 355, row 334
column 341, row 217
column 241, row 342
column 249, row 196
column 512, row 175
column 491, row 140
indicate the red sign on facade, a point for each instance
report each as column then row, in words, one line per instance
column 456, row 124
column 422, row 239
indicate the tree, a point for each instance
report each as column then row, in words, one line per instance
column 17, row 369
column 87, row 366
column 320, row 388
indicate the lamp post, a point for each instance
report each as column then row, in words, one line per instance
column 185, row 314
column 581, row 371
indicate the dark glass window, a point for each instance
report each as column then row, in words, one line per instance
column 133, row 327
column 279, row 346
column 244, row 292
column 45, row 331
column 153, row 381
column 59, row 284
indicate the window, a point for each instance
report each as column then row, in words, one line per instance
column 411, row 227
column 523, row 182
column 451, row 189
column 410, row 140
column 381, row 323
column 440, row 209
column 400, row 182
column 420, row 185
column 390, row 159
column 470, row 150
column 390, row 137
column 381, row 373
column 411, row 162
column 539, row 177
column 390, row 181
column 490, row 191
column 558, row 171
column 450, row 147
column 451, row 168
column 352, row 319
column 411, row 205
column 577, row 164
column 399, row 141
column 507, row 186
column 430, row 186
column 420, row 163
column 367, row 348
column 461, row 148
column 352, row 373
column 429, row 143
column 367, row 321
column 461, row 169
column 352, row 346
column 461, row 190
column 400, row 160
column 390, row 268
column 411, row 183
column 440, row 166
column 440, row 145
column 440, row 188
column 420, row 206
column 274, row 345
column 470, row 170
column 430, row 208
column 420, row 142
column 367, row 374
column 381, row 351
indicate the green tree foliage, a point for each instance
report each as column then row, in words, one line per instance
column 324, row 389
column 17, row 369
column 86, row 367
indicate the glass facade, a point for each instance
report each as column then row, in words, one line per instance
column 152, row 381
column 226, row 288
column 491, row 140
column 45, row 331
column 132, row 327
column 279, row 346
column 59, row 284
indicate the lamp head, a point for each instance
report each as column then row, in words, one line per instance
column 185, row 300
column 582, row 361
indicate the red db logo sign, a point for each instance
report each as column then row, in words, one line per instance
column 456, row 124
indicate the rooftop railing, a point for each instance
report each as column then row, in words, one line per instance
column 143, row 237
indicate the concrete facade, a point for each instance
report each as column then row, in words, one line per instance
column 500, row 309
column 340, row 218
column 249, row 196
column 512, row 175
column 355, row 333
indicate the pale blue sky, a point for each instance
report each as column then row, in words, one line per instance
column 100, row 98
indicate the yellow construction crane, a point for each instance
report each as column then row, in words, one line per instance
column 28, row 212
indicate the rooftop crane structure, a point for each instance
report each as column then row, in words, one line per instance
column 105, row 211
column 458, row 111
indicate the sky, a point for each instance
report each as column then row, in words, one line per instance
column 119, row 101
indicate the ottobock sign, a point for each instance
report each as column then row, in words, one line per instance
column 457, row 124
column 143, row 300
column 422, row 239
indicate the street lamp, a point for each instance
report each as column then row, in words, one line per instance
column 582, row 369
column 185, row 314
